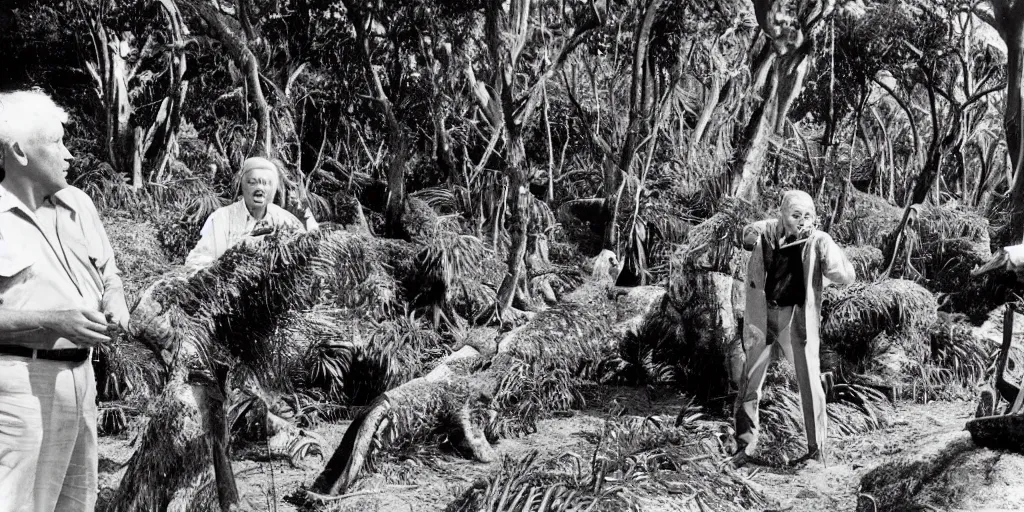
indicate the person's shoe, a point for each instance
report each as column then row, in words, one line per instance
column 813, row 454
column 739, row 459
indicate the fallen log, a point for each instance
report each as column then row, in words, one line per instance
column 463, row 396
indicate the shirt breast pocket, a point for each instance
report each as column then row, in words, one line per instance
column 87, row 251
column 15, row 268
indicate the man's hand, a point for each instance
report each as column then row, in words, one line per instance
column 84, row 327
column 263, row 227
column 268, row 226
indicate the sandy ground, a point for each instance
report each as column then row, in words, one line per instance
column 412, row 485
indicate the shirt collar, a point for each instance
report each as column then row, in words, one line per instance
column 9, row 201
column 240, row 205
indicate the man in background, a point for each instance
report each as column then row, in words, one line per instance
column 60, row 296
column 788, row 268
column 254, row 215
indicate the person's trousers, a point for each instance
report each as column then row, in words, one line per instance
column 785, row 328
column 48, row 444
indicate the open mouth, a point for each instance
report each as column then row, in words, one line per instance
column 258, row 196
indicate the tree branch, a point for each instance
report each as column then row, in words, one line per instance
column 906, row 110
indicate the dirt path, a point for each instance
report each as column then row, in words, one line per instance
column 834, row 487
column 429, row 483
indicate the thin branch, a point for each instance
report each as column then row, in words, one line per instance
column 906, row 109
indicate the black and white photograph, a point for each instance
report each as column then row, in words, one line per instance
column 511, row 255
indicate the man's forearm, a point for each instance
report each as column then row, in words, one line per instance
column 15, row 324
column 15, row 321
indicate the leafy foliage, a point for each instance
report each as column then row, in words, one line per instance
column 525, row 485
column 854, row 315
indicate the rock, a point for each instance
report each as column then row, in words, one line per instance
column 1005, row 432
column 605, row 266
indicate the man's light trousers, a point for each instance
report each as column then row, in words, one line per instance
column 789, row 333
column 48, row 452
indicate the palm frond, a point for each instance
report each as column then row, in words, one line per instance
column 529, row 392
column 711, row 244
column 230, row 310
column 127, row 369
column 526, row 485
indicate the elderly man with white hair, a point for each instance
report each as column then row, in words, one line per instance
column 60, row 294
column 789, row 265
column 248, row 218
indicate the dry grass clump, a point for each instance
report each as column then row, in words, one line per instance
column 851, row 408
column 530, row 485
column 854, row 316
column 140, row 256
column 682, row 459
column 942, row 225
column 867, row 220
column 958, row 362
column 867, row 261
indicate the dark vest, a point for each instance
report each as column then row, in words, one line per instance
column 784, row 268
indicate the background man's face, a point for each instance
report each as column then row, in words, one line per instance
column 48, row 158
column 798, row 219
column 258, row 188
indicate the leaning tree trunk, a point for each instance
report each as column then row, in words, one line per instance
column 110, row 75
column 640, row 106
column 397, row 140
column 754, row 146
column 158, row 139
column 791, row 44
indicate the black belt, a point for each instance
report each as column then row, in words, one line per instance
column 72, row 355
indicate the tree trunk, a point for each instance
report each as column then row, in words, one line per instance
column 246, row 61
column 227, row 489
column 610, row 207
column 515, row 159
column 1014, row 37
column 754, row 146
column 396, row 181
column 397, row 141
column 791, row 71
column 711, row 96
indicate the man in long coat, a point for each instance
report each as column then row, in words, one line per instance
column 790, row 264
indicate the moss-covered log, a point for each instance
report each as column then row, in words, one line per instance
column 465, row 395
